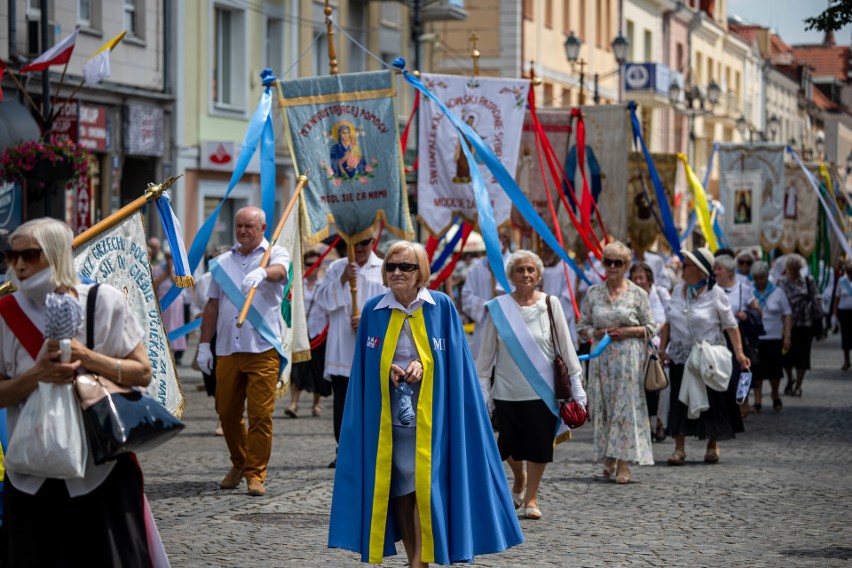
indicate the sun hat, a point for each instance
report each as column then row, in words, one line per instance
column 702, row 258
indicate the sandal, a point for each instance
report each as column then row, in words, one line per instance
column 777, row 404
column 798, row 391
column 624, row 477
column 517, row 499
column 660, row 434
column 291, row 412
column 755, row 408
column 788, row 390
column 532, row 513
column 712, row 455
column 677, row 458
column 609, row 467
column 316, row 410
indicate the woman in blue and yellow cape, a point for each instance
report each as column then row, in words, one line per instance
column 461, row 489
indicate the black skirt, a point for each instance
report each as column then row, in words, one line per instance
column 844, row 317
column 770, row 367
column 103, row 528
column 799, row 355
column 527, row 429
column 307, row 375
column 712, row 423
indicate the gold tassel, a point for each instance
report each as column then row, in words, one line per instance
column 301, row 356
column 184, row 281
column 563, row 437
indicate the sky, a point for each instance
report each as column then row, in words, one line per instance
column 786, row 17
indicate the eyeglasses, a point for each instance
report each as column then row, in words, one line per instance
column 391, row 267
column 615, row 262
column 29, row 255
column 364, row 243
column 745, row 262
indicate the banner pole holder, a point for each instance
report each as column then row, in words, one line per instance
column 332, row 53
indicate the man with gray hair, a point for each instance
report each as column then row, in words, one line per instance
column 247, row 359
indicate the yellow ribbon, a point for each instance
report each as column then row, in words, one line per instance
column 699, row 200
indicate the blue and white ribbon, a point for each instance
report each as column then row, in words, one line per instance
column 598, row 350
column 483, row 203
column 174, row 236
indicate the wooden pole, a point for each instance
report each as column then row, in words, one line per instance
column 153, row 192
column 332, row 53
column 353, row 283
column 475, row 54
column 303, row 179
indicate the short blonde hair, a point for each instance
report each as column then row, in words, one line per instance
column 424, row 271
column 618, row 249
column 520, row 255
column 57, row 242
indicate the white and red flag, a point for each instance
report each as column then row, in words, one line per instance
column 56, row 55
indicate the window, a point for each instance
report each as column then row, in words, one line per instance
column 599, row 24
column 649, row 47
column 582, row 32
column 548, row 13
column 711, row 68
column 631, row 43
column 679, row 56
column 84, row 12
column 275, row 45
column 608, row 36
column 229, row 85
column 566, row 16
column 548, row 95
column 528, row 9
column 698, row 80
column 320, row 50
column 130, row 22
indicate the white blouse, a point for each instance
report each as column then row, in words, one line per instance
column 703, row 318
column 117, row 333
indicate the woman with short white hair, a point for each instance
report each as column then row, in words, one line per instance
column 777, row 323
column 803, row 294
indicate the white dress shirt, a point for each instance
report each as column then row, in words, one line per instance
column 336, row 299
column 231, row 339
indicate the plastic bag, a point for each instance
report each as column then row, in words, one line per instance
column 49, row 439
column 743, row 386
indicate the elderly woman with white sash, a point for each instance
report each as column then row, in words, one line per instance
column 517, row 347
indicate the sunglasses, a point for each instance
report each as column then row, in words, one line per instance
column 364, row 243
column 391, row 267
column 29, row 255
column 745, row 262
column 614, row 262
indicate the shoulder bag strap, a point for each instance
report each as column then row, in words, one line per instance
column 22, row 326
column 553, row 337
column 90, row 316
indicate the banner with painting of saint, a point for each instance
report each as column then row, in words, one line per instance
column 768, row 159
column 556, row 126
column 642, row 226
column 495, row 108
column 801, row 211
column 344, row 129
column 607, row 130
column 118, row 256
column 741, row 203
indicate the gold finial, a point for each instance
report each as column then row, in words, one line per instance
column 535, row 79
column 154, row 191
column 332, row 53
column 475, row 54
column 416, row 73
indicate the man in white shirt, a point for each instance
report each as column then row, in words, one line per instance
column 334, row 297
column 479, row 287
column 247, row 362
column 554, row 283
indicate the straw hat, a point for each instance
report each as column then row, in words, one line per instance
column 702, row 258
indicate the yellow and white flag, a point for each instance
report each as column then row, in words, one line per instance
column 96, row 69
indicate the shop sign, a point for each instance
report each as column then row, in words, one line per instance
column 93, row 128
column 144, row 130
column 65, row 125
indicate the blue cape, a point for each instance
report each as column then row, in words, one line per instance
column 461, row 488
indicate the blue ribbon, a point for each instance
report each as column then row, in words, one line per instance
column 447, row 251
column 267, row 160
column 174, row 235
column 235, row 295
column 571, row 168
column 258, row 122
column 184, row 329
column 599, row 348
column 483, row 201
column 669, row 230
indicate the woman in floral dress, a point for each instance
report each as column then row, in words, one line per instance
column 616, row 384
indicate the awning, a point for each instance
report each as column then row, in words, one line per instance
column 16, row 124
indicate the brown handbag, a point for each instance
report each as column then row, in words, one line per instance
column 561, row 376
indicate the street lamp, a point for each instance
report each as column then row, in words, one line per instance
column 572, row 52
column 819, row 146
column 772, row 125
column 691, row 95
column 743, row 127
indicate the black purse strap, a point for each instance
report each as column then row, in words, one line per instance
column 553, row 337
column 90, row 316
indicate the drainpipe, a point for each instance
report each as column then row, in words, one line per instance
column 13, row 30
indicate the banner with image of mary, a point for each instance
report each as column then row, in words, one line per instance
column 343, row 128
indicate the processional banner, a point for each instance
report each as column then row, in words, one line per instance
column 607, row 129
column 801, row 211
column 642, row 225
column 118, row 256
column 495, row 109
column 768, row 210
column 557, row 126
column 344, row 129
column 294, row 334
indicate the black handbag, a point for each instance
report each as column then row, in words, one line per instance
column 118, row 419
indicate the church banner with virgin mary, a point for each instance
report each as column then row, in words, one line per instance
column 343, row 128
column 495, row 109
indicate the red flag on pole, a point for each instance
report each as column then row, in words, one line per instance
column 56, row 55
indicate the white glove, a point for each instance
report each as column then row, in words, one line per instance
column 204, row 358
column 577, row 392
column 253, row 278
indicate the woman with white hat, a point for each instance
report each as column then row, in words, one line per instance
column 698, row 312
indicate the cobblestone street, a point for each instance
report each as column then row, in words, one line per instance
column 780, row 496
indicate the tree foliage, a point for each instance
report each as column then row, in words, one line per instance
column 833, row 18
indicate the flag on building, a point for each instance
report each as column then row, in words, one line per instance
column 56, row 55
column 96, row 69
column 495, row 109
column 119, row 256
